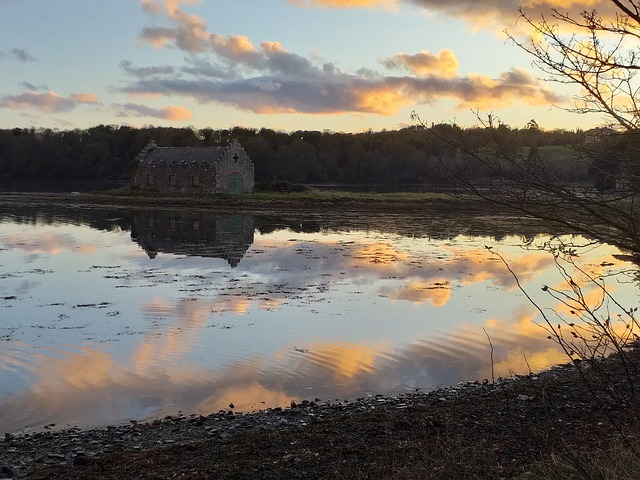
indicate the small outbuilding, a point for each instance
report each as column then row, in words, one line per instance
column 225, row 169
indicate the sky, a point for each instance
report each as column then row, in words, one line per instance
column 336, row 65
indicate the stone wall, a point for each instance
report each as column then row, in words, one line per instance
column 178, row 178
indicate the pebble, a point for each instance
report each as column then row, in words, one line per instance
column 77, row 446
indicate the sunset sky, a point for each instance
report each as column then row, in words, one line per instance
column 338, row 65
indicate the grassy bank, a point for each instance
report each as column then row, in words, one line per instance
column 312, row 200
column 308, row 196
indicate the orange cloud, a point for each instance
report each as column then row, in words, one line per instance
column 494, row 14
column 298, row 87
column 233, row 45
column 517, row 84
column 189, row 31
column 344, row 3
column 271, row 80
column 444, row 63
column 47, row 102
column 170, row 112
column 84, row 97
column 379, row 99
column 272, row 47
column 176, row 112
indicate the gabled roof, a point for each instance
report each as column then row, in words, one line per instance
column 177, row 155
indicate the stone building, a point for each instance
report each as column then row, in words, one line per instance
column 225, row 169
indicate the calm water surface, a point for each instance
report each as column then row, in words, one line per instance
column 110, row 316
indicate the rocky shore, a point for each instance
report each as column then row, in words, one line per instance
column 471, row 430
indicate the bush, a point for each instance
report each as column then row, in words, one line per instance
column 280, row 187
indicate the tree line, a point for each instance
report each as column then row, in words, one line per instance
column 408, row 155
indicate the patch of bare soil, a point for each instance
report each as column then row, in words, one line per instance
column 473, row 430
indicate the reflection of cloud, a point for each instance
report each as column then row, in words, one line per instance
column 519, row 357
column 520, row 360
column 270, row 303
column 86, row 369
column 438, row 293
column 89, row 384
column 465, row 267
column 306, row 266
column 345, row 360
column 475, row 266
column 378, row 254
column 49, row 242
column 189, row 315
column 238, row 304
column 245, row 398
column 592, row 296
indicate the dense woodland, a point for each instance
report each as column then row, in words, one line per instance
column 409, row 155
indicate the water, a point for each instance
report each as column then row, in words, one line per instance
column 107, row 316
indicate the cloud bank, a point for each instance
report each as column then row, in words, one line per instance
column 267, row 78
column 480, row 14
column 47, row 102
column 170, row 112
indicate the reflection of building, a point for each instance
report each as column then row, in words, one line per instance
column 195, row 170
column 194, row 233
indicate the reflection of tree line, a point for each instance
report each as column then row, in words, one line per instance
column 229, row 236
column 105, row 220
column 437, row 224
column 203, row 234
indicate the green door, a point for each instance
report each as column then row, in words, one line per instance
column 235, row 183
